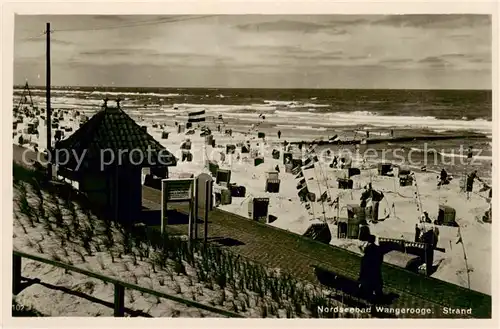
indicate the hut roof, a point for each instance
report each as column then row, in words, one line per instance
column 113, row 130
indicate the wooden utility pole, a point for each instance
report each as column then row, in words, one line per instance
column 49, row 110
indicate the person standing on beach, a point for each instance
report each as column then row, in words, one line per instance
column 469, row 153
column 470, row 182
column 335, row 161
column 279, row 134
column 487, row 215
column 443, row 177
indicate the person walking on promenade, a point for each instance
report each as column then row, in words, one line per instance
column 370, row 273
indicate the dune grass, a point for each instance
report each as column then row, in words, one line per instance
column 196, row 271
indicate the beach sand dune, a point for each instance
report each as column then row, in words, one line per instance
column 398, row 210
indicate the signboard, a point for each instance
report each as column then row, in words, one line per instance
column 177, row 190
column 196, row 191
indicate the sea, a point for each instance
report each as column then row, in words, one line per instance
column 316, row 113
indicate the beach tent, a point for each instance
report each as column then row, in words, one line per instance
column 272, row 182
column 319, row 232
column 355, row 212
column 446, row 216
column 344, row 183
column 230, row 149
column 287, row 158
column 353, row 172
column 384, row 168
column 258, row 209
column 223, row 177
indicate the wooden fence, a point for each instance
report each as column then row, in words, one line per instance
column 120, row 286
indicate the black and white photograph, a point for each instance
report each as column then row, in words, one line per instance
column 252, row 165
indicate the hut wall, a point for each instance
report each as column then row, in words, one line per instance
column 95, row 187
column 129, row 193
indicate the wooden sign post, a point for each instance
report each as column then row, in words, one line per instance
column 177, row 190
column 208, row 207
column 208, row 193
column 204, row 199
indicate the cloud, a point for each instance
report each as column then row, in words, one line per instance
column 460, row 36
column 450, row 21
column 350, row 20
column 291, row 26
column 52, row 41
column 435, row 62
column 282, row 25
column 103, row 57
column 267, row 44
column 457, row 60
column 480, row 60
column 396, row 60
column 118, row 52
column 116, row 18
column 359, row 57
column 456, row 55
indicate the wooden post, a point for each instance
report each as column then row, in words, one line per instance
column 208, row 203
column 47, row 95
column 429, row 258
column 163, row 210
column 191, row 210
column 16, row 274
column 119, row 300
column 196, row 205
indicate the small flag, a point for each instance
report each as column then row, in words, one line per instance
column 196, row 116
column 353, row 172
column 301, row 184
column 323, row 197
column 296, row 170
column 303, row 193
column 308, row 167
column 335, row 203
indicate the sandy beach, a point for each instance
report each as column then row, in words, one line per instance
column 398, row 211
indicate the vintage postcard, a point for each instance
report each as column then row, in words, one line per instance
column 240, row 164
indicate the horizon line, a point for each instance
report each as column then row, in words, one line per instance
column 251, row 88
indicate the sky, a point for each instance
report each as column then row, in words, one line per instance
column 258, row 51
